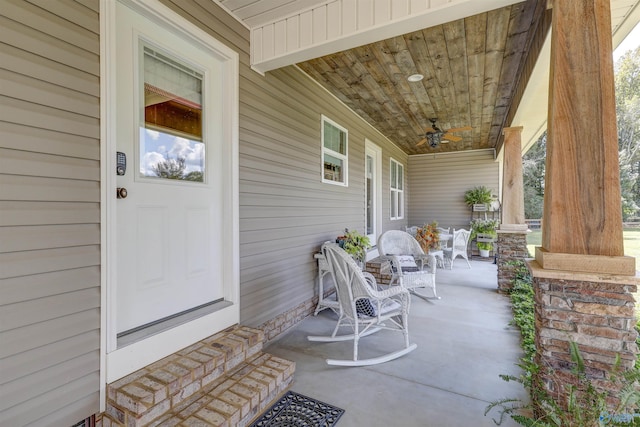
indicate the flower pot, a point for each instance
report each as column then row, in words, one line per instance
column 484, row 253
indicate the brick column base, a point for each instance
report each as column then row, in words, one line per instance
column 595, row 312
column 380, row 269
column 511, row 246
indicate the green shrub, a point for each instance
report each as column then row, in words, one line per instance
column 523, row 305
column 637, row 365
column 586, row 405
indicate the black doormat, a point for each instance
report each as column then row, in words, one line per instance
column 296, row 410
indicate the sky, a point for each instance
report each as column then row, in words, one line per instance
column 159, row 146
column 631, row 42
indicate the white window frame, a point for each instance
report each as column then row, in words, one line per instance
column 343, row 157
column 396, row 191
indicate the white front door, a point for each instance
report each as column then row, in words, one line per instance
column 169, row 128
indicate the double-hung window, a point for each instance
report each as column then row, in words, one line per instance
column 397, row 190
column 334, row 152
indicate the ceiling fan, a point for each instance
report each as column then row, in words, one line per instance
column 434, row 135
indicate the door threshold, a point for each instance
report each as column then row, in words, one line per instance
column 145, row 331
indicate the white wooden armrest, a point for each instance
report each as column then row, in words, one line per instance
column 390, row 292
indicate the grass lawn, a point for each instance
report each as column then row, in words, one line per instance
column 631, row 241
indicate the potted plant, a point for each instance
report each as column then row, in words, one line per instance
column 479, row 196
column 484, row 248
column 355, row 244
column 428, row 236
column 484, row 232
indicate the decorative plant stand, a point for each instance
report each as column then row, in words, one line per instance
column 323, row 301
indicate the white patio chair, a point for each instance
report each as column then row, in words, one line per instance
column 412, row 230
column 364, row 308
column 444, row 231
column 411, row 268
column 458, row 247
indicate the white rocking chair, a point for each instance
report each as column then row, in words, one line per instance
column 411, row 268
column 357, row 295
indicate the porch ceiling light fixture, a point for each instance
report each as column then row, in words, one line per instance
column 434, row 139
column 436, row 136
column 415, row 77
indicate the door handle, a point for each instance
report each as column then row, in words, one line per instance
column 121, row 193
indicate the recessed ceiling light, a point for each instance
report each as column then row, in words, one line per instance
column 415, row 77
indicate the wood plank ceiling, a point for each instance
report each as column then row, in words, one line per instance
column 471, row 69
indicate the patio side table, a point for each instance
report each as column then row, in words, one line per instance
column 323, row 301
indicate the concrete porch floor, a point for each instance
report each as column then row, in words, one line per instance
column 464, row 343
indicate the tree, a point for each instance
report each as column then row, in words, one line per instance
column 175, row 169
column 171, row 168
column 194, row 176
column 627, row 82
column 533, row 169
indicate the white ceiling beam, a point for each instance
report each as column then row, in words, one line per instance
column 337, row 25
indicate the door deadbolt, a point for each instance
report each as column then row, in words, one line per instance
column 121, row 193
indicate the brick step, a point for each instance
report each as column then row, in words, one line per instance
column 225, row 379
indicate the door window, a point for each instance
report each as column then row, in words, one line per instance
column 171, row 143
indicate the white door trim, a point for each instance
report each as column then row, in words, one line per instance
column 116, row 363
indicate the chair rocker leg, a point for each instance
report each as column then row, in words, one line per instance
column 432, row 286
column 423, row 296
column 374, row 360
column 338, row 338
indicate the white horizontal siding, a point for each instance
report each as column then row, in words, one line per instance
column 15, row 162
column 16, row 264
column 43, row 334
column 50, row 406
column 43, row 213
column 49, row 212
column 29, row 237
column 28, row 138
column 40, row 116
column 31, row 188
column 21, row 35
column 48, row 71
column 438, row 183
column 31, row 361
column 47, row 94
column 37, row 286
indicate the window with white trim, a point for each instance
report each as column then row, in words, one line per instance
column 397, row 190
column 334, row 152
